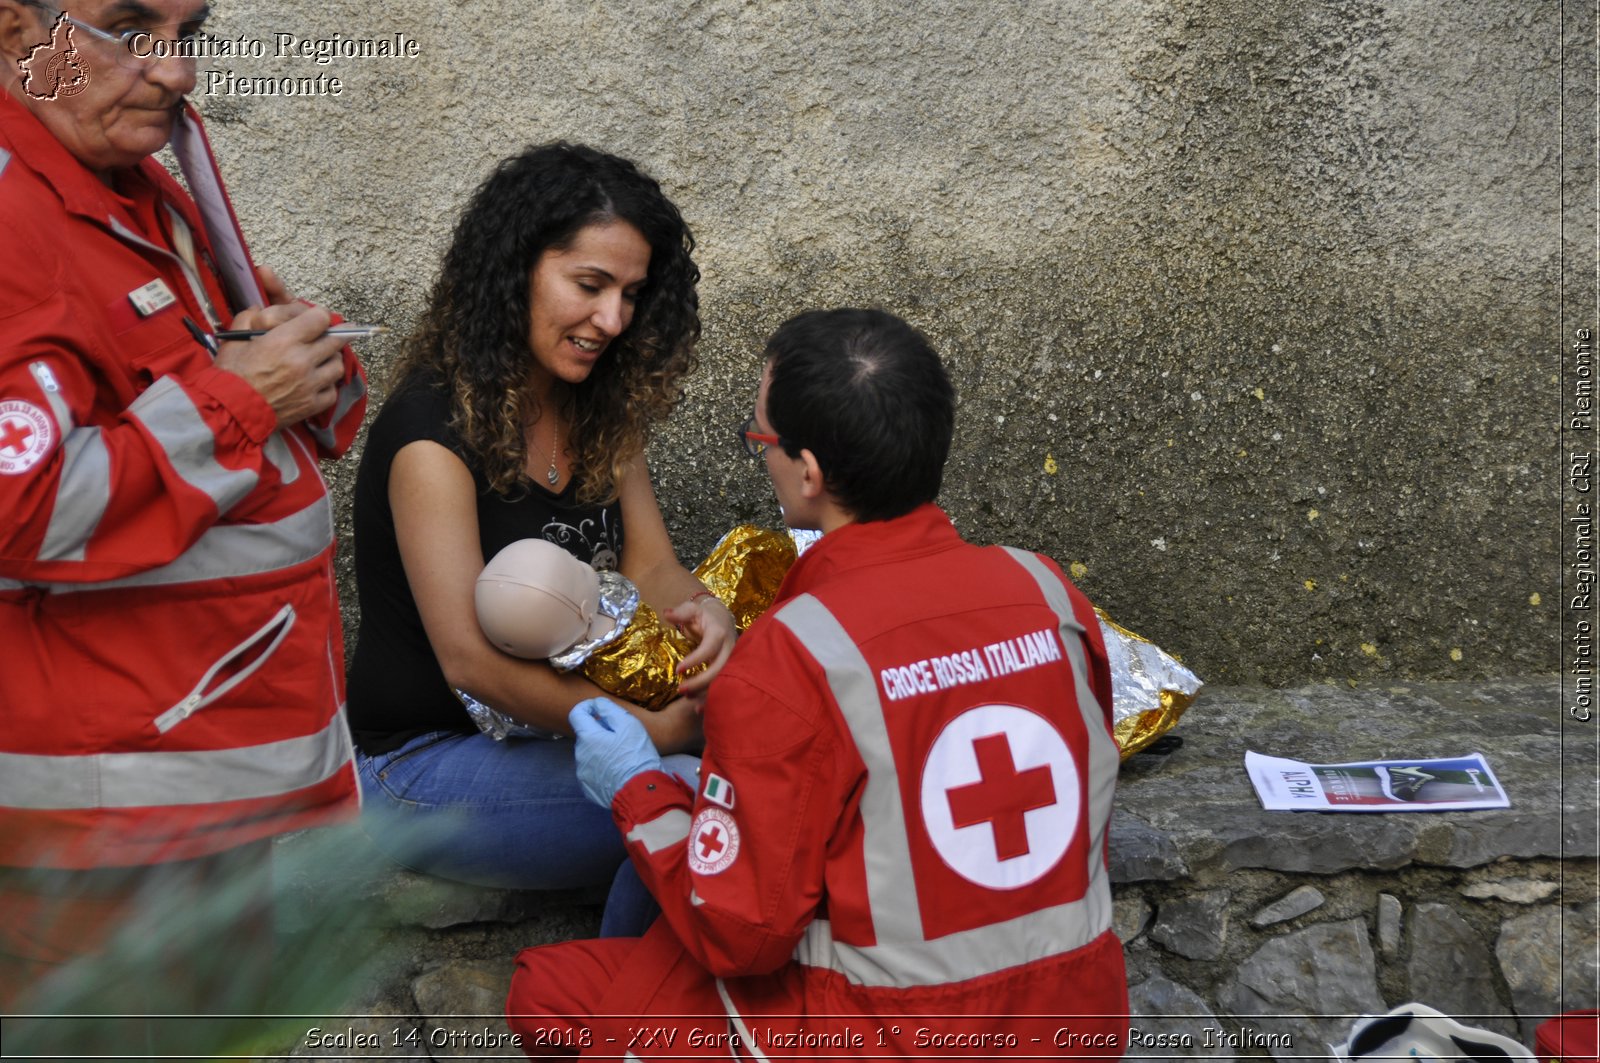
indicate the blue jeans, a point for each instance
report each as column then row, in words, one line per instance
column 508, row 814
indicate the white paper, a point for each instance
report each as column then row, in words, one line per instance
column 1444, row 785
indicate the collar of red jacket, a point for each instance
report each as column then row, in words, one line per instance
column 80, row 190
column 925, row 530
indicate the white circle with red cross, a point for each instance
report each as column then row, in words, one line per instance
column 1000, row 796
column 25, row 436
column 713, row 842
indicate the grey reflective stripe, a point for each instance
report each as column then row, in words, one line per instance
column 891, row 888
column 1103, row 755
column 669, row 828
column 227, row 550
column 349, row 395
column 278, row 452
column 201, row 777
column 902, row 957
column 170, row 415
column 83, row 490
column 749, row 1045
column 968, row 953
column 5, row 160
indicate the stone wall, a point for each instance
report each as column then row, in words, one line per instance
column 1247, row 933
column 1252, row 307
column 1274, row 927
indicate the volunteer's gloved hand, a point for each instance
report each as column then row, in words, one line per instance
column 612, row 748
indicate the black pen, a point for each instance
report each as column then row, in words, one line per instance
column 354, row 332
column 200, row 336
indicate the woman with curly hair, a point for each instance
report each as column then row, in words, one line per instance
column 557, row 335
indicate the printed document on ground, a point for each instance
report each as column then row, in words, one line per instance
column 1375, row 785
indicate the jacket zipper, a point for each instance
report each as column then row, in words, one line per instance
column 262, row 644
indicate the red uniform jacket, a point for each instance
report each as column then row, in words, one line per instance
column 901, row 826
column 173, row 676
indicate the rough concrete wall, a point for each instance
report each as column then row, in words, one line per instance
column 1251, row 305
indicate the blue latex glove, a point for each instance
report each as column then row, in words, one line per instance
column 612, row 748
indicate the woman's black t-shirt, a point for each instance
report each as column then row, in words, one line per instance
column 397, row 689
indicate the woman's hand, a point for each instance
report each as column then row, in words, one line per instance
column 708, row 622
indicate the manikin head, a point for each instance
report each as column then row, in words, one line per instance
column 535, row 600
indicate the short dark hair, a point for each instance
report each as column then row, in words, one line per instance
column 866, row 393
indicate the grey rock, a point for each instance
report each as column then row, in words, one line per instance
column 1512, row 890
column 1167, row 1019
column 1524, row 833
column 1548, row 959
column 1294, row 980
column 1129, row 917
column 1141, row 853
column 1449, row 967
column 464, row 1008
column 1389, row 912
column 1201, row 803
column 1195, row 927
column 1303, row 843
column 1295, row 903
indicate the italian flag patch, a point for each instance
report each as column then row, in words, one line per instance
column 719, row 791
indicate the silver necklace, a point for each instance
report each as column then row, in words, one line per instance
column 553, row 476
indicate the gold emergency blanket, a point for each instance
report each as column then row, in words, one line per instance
column 1149, row 688
column 641, row 664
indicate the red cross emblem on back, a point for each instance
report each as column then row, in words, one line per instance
column 1002, row 797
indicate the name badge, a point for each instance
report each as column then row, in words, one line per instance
column 152, row 297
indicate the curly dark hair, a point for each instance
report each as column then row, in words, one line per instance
column 473, row 340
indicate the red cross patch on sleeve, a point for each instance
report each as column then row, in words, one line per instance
column 713, row 842
column 25, row 436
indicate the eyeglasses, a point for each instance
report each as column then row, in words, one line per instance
column 136, row 46
column 756, row 443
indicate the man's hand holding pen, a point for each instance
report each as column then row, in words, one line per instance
column 293, row 360
column 294, row 363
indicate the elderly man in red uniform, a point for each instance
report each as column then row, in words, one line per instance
column 897, row 845
column 172, row 684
